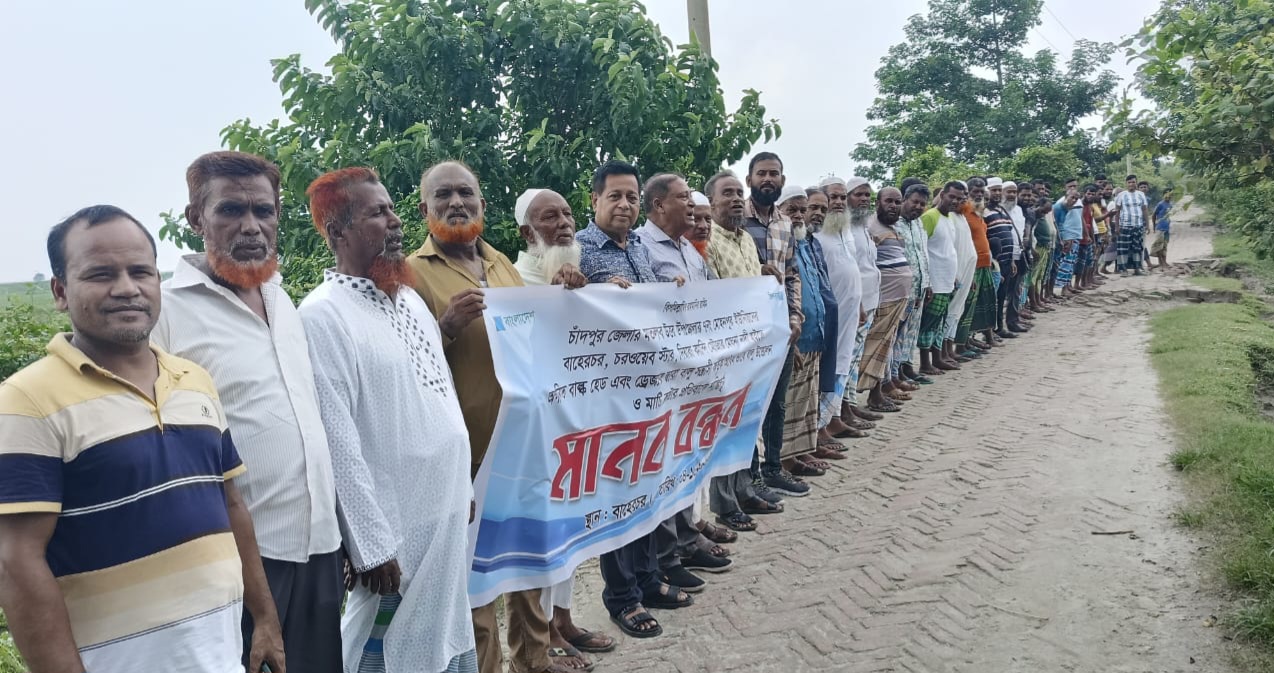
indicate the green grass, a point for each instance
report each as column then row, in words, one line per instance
column 1212, row 360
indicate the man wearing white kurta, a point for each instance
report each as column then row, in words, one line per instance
column 966, row 266
column 394, row 426
column 842, row 271
column 860, row 212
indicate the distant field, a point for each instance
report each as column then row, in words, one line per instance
column 33, row 293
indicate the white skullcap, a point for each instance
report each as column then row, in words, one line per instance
column 854, row 183
column 524, row 204
column 831, row 180
column 698, row 199
column 1010, row 183
column 790, row 191
column 994, row 182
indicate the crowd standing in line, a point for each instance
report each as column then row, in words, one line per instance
column 200, row 446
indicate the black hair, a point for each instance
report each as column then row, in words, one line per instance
column 92, row 215
column 1143, row 182
column 916, row 188
column 612, row 167
column 1130, row 177
column 908, row 182
column 954, row 184
column 811, row 191
column 1091, row 187
column 1101, row 177
column 657, row 187
column 764, row 156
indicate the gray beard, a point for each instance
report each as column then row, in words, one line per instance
column 553, row 257
column 800, row 232
column 836, row 222
column 858, row 216
column 732, row 222
column 1010, row 204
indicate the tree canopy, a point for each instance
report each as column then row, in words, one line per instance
column 960, row 80
column 529, row 93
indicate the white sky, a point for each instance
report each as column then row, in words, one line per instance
column 109, row 102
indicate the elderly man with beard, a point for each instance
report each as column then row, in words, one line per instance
column 450, row 271
column 701, row 234
column 732, row 253
column 911, row 230
column 1023, row 223
column 895, row 288
column 860, row 212
column 776, row 250
column 816, row 207
column 979, row 307
column 837, row 417
column 393, row 422
column 999, row 231
column 227, row 311
column 941, row 224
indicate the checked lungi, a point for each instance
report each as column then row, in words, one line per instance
column 933, row 322
column 800, row 426
column 880, row 343
column 1065, row 266
column 905, row 342
column 1131, row 241
column 860, row 343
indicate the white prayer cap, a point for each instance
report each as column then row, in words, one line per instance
column 524, row 204
column 994, row 182
column 854, row 183
column 790, row 191
column 1010, row 183
column 698, row 199
column 831, row 180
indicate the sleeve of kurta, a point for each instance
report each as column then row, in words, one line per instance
column 792, row 284
column 368, row 537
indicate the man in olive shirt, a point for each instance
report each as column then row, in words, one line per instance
column 449, row 272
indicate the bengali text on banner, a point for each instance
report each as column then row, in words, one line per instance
column 618, row 405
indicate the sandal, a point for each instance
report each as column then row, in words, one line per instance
column 884, row 408
column 860, row 424
column 634, row 620
column 801, row 469
column 668, row 598
column 814, row 462
column 581, row 642
column 738, row 521
column 852, row 432
column 571, row 653
column 718, row 551
column 761, row 506
column 898, row 395
column 718, row 534
column 826, row 452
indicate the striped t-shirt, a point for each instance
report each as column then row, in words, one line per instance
column 142, row 549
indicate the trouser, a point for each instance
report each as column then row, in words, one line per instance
column 308, row 597
column 630, row 573
column 775, row 417
column 1006, row 298
column 676, row 537
column 726, row 491
column 528, row 631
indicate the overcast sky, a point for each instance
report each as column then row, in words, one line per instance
column 109, row 102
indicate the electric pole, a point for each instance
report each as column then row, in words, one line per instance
column 697, row 15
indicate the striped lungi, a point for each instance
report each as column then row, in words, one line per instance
column 800, row 426
column 901, row 351
column 965, row 326
column 1043, row 263
column 880, row 344
column 933, row 322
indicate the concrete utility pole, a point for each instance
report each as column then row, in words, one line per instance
column 697, row 15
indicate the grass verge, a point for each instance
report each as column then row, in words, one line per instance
column 1216, row 366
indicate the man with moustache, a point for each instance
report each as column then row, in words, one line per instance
column 860, row 212
column 226, row 310
column 895, row 288
column 701, row 234
column 1068, row 215
column 383, row 384
column 966, row 270
column 450, row 271
column 911, row 230
column 940, row 226
column 123, row 538
column 999, row 231
column 816, row 207
column 979, row 307
column 836, row 416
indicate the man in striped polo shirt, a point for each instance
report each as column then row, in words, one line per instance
column 120, row 532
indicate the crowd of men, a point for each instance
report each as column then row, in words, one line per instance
column 200, row 446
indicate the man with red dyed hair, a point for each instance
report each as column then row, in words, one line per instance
column 450, row 271
column 394, row 424
column 226, row 310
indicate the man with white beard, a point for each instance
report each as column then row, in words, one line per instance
column 846, row 283
column 545, row 221
column 1021, row 246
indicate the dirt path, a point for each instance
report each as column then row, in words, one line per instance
column 960, row 536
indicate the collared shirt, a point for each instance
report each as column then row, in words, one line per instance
column 266, row 384
column 943, row 266
column 915, row 240
column 775, row 245
column 528, row 266
column 1070, row 225
column 601, row 259
column 143, row 551
column 669, row 258
column 1132, row 204
column 815, row 313
column 732, row 254
column 891, row 260
column 438, row 278
column 400, row 451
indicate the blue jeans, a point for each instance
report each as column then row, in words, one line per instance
column 772, row 427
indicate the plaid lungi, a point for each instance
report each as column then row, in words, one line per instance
column 901, row 351
column 800, row 426
column 984, row 308
column 880, row 343
column 1043, row 263
column 970, row 303
column 1130, row 243
column 933, row 322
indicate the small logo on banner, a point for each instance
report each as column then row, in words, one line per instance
column 515, row 320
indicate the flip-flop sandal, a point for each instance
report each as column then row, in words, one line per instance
column 580, row 642
column 817, row 464
column 719, row 534
column 923, row 380
column 718, row 551
column 667, row 599
column 901, row 396
column 826, row 452
column 851, row 433
column 801, row 469
column 572, row 653
column 738, row 522
column 629, row 620
column 861, row 424
column 759, row 506
column 881, row 408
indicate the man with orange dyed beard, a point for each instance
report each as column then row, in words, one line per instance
column 701, row 234
column 451, row 271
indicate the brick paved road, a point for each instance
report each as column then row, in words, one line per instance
column 959, row 536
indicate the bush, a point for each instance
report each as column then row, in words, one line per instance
column 25, row 329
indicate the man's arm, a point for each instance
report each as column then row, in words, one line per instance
column 30, row 596
column 267, row 635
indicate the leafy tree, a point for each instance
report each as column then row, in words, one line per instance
column 1054, row 164
column 934, row 88
column 935, row 166
column 527, row 92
